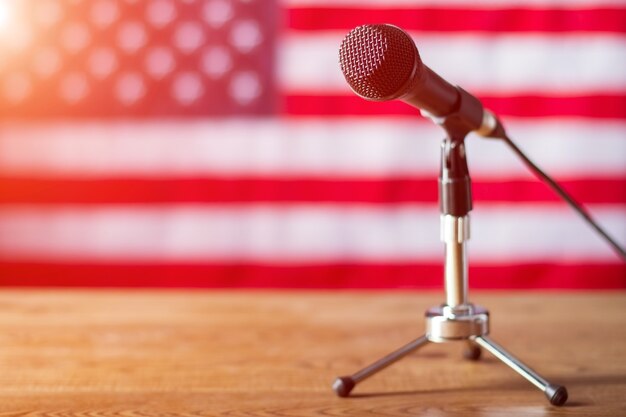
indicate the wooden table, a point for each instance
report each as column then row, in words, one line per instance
column 245, row 353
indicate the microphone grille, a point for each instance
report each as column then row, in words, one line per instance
column 378, row 60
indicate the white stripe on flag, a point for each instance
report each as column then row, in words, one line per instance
column 305, row 233
column 318, row 147
column 566, row 64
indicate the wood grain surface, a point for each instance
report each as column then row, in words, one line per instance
column 245, row 353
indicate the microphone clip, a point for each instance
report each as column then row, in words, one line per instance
column 455, row 189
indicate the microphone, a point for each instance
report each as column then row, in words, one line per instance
column 381, row 62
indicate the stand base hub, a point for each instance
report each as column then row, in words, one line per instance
column 443, row 325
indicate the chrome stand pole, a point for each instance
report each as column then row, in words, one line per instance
column 454, row 233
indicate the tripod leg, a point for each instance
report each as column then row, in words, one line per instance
column 556, row 394
column 472, row 351
column 344, row 384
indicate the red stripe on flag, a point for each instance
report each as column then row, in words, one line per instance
column 593, row 106
column 292, row 190
column 522, row 276
column 462, row 20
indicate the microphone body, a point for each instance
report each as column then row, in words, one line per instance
column 381, row 62
column 427, row 91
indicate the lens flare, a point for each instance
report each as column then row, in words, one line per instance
column 5, row 14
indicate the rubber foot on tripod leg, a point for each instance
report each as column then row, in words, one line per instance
column 557, row 394
column 343, row 386
column 472, row 353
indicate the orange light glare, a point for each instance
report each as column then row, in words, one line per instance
column 5, row 13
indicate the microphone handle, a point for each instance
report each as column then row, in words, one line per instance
column 431, row 93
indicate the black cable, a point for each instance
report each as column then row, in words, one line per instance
column 565, row 196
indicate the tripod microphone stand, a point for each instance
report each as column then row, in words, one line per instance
column 457, row 319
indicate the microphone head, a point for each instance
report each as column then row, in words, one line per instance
column 379, row 62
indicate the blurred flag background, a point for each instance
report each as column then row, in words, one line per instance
column 214, row 143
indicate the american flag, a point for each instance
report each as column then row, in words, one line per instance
column 215, row 143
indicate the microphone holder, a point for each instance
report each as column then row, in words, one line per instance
column 457, row 319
